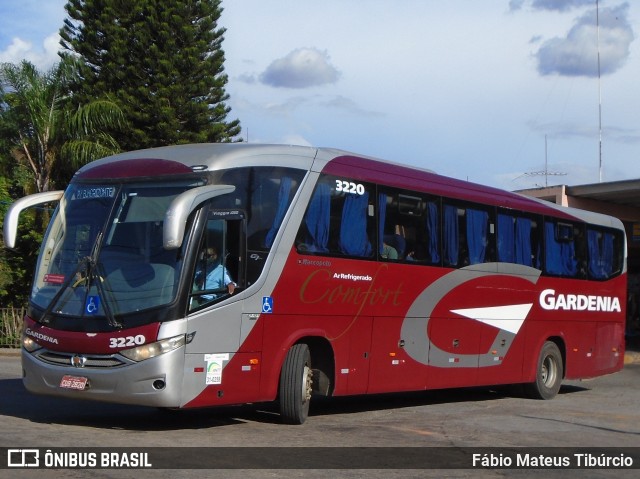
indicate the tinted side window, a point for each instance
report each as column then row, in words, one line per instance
column 409, row 226
column 339, row 219
column 564, row 252
column 467, row 234
column 605, row 252
column 518, row 238
column 264, row 194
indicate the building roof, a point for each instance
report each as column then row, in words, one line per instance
column 615, row 198
column 626, row 192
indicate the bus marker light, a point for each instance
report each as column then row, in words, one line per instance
column 393, row 355
column 254, row 361
column 198, row 370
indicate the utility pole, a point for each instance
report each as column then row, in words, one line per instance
column 599, row 93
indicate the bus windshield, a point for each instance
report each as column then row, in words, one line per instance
column 103, row 254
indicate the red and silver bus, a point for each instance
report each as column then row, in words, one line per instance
column 217, row 274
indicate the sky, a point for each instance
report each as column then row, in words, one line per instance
column 508, row 93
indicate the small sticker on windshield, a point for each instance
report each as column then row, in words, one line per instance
column 54, row 278
column 92, row 305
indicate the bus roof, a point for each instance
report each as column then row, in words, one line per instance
column 189, row 158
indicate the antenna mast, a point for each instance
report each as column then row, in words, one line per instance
column 546, row 173
column 599, row 94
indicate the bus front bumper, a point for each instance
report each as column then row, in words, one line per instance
column 153, row 382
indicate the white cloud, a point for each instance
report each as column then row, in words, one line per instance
column 554, row 5
column 302, row 68
column 577, row 53
column 347, row 105
column 16, row 51
column 560, row 5
column 43, row 58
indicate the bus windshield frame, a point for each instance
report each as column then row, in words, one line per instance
column 102, row 255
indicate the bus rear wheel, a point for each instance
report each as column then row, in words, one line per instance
column 296, row 382
column 549, row 373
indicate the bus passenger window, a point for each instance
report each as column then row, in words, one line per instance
column 391, row 241
column 564, row 251
column 432, row 228
column 408, row 227
column 467, row 236
column 313, row 236
column 353, row 237
column 477, row 235
column 339, row 220
column 517, row 239
column 264, row 193
column 604, row 252
column 451, row 236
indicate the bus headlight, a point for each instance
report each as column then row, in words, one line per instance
column 29, row 344
column 151, row 350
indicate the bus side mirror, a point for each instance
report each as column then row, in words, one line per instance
column 181, row 207
column 10, row 229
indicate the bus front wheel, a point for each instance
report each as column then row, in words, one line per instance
column 549, row 373
column 296, row 381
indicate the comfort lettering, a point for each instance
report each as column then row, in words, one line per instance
column 318, row 288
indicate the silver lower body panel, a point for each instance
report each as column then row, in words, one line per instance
column 153, row 382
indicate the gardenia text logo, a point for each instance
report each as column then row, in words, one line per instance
column 579, row 302
column 41, row 336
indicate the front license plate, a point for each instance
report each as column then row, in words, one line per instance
column 73, row 382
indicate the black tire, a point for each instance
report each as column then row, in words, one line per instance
column 549, row 373
column 296, row 379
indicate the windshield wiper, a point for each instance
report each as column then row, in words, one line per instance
column 94, row 277
column 44, row 319
column 88, row 269
column 87, row 272
column 98, row 280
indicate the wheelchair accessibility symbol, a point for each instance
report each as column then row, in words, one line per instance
column 93, row 305
column 267, row 304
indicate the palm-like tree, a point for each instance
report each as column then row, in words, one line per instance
column 43, row 127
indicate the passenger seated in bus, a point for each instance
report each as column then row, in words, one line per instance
column 388, row 251
column 416, row 251
column 397, row 241
column 214, row 276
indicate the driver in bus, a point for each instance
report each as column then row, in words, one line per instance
column 215, row 276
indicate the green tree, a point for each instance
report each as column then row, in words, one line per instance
column 161, row 60
column 16, row 266
column 41, row 127
column 42, row 135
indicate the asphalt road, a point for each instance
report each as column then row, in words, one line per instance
column 603, row 412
